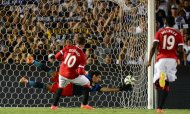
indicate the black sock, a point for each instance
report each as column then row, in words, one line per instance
column 162, row 95
column 86, row 96
column 57, row 96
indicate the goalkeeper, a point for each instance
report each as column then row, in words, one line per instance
column 70, row 89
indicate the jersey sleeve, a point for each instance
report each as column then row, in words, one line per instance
column 157, row 37
column 59, row 56
column 81, row 71
column 99, row 88
column 181, row 40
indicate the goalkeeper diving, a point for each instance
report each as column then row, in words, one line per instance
column 70, row 89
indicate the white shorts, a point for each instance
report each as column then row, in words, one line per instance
column 80, row 80
column 168, row 66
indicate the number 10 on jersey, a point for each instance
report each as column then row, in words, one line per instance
column 70, row 60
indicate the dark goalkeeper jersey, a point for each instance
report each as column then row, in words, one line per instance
column 78, row 90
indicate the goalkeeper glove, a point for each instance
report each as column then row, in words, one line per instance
column 127, row 87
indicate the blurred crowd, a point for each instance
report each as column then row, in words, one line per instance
column 180, row 10
column 43, row 27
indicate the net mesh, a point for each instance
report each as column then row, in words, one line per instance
column 116, row 33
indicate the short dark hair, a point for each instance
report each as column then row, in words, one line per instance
column 80, row 40
column 170, row 21
column 91, row 73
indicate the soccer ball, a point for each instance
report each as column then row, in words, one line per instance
column 129, row 80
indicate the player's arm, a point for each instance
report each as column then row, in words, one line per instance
column 105, row 89
column 59, row 56
column 185, row 58
column 154, row 47
column 127, row 87
column 25, row 81
column 30, row 60
column 181, row 47
column 185, row 54
column 81, row 70
column 152, row 51
column 181, row 51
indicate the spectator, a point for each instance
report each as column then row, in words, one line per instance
column 178, row 15
column 160, row 14
column 103, row 49
column 187, row 8
column 46, row 27
column 187, row 52
column 108, row 59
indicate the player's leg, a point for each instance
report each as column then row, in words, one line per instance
column 62, row 83
column 160, row 72
column 170, row 65
column 169, row 68
column 159, row 81
column 84, row 104
column 83, row 81
column 78, row 90
column 162, row 95
column 162, row 79
column 66, row 91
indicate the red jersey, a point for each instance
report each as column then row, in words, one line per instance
column 169, row 39
column 72, row 58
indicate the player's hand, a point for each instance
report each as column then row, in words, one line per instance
column 29, row 59
column 127, row 87
column 86, row 72
column 148, row 64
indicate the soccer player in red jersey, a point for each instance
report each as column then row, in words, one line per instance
column 167, row 42
column 72, row 67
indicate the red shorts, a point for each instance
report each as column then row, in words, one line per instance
column 67, row 91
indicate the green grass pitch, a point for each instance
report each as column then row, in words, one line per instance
column 83, row 111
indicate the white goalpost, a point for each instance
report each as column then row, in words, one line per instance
column 151, row 31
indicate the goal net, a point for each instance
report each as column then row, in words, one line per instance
column 116, row 33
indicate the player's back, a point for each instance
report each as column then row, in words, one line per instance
column 169, row 39
column 73, row 57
